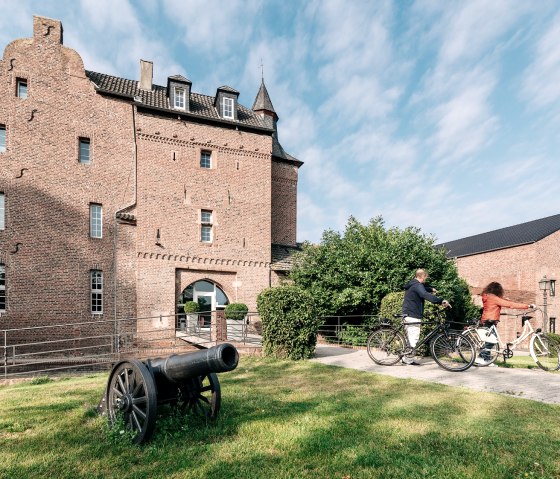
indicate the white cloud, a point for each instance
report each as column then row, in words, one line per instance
column 541, row 85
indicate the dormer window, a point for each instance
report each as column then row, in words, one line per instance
column 228, row 108
column 179, row 98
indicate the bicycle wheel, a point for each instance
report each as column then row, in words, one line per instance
column 452, row 351
column 385, row 346
column 484, row 356
column 545, row 352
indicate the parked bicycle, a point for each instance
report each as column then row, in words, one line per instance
column 387, row 344
column 544, row 348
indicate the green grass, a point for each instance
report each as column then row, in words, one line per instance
column 286, row 420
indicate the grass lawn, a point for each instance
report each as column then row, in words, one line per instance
column 286, row 420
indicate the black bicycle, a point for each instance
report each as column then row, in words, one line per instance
column 387, row 344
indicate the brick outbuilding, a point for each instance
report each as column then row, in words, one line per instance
column 518, row 257
column 122, row 198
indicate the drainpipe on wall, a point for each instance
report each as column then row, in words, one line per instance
column 135, row 163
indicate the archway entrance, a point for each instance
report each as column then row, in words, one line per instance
column 208, row 295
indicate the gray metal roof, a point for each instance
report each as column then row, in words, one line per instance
column 518, row 235
column 200, row 105
column 282, row 257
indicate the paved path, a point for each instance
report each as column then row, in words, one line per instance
column 532, row 384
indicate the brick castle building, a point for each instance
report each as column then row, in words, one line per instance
column 121, row 198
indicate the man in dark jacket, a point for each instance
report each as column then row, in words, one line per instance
column 416, row 292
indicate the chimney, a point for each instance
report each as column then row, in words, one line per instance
column 146, row 75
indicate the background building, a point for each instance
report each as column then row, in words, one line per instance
column 518, row 257
column 121, row 198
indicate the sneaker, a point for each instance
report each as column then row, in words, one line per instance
column 492, row 365
column 409, row 361
column 480, row 361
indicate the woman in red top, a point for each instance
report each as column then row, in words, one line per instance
column 493, row 301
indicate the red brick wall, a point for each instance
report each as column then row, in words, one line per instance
column 519, row 270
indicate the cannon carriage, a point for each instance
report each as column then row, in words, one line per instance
column 135, row 388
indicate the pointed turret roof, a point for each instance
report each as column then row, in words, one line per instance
column 262, row 101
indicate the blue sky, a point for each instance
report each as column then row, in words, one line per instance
column 436, row 114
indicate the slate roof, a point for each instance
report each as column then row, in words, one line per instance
column 200, row 105
column 518, row 235
column 262, row 101
column 282, row 257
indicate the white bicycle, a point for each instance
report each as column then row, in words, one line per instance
column 544, row 348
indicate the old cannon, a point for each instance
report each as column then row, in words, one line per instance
column 136, row 388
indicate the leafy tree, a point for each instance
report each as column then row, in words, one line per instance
column 350, row 273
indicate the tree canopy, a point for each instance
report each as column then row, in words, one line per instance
column 350, row 273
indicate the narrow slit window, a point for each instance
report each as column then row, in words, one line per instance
column 21, row 88
column 96, row 281
column 2, row 287
column 95, row 220
column 2, row 138
column 84, row 151
column 2, row 211
column 206, row 226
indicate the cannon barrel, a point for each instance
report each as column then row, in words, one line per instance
column 180, row 367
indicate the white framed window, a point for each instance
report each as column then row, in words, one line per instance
column 227, row 107
column 179, row 98
column 21, row 88
column 205, row 159
column 96, row 282
column 2, row 211
column 2, row 138
column 95, row 220
column 2, row 287
column 84, row 150
column 206, row 226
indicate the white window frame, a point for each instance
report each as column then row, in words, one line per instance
column 3, row 138
column 206, row 226
column 2, row 211
column 96, row 291
column 179, row 98
column 19, row 83
column 3, row 287
column 82, row 140
column 206, row 159
column 95, row 220
column 227, row 107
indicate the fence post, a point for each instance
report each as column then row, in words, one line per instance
column 5, row 354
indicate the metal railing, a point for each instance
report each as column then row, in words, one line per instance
column 351, row 331
column 97, row 345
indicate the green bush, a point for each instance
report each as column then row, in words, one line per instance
column 391, row 304
column 289, row 322
column 191, row 307
column 236, row 311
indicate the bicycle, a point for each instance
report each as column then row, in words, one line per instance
column 387, row 344
column 544, row 349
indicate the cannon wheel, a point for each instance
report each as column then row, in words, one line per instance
column 202, row 396
column 131, row 391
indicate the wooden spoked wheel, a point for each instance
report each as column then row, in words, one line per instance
column 202, row 396
column 131, row 392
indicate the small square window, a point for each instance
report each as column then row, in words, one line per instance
column 228, row 107
column 84, row 151
column 2, row 138
column 179, row 98
column 95, row 221
column 205, row 159
column 21, row 88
